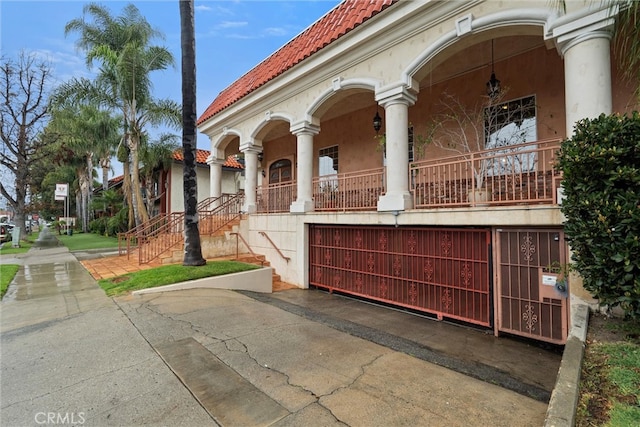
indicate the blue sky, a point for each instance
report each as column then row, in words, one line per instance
column 232, row 36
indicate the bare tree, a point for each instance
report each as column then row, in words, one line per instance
column 23, row 115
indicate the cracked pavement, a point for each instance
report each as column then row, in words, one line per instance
column 70, row 349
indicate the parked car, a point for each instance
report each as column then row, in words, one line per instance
column 5, row 232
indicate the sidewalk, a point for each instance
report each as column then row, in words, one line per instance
column 208, row 357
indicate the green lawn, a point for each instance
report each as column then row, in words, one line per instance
column 169, row 274
column 7, row 249
column 610, row 380
column 84, row 241
column 7, row 273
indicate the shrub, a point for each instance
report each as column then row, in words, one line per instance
column 99, row 225
column 117, row 223
column 601, row 167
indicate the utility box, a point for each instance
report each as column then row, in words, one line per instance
column 15, row 237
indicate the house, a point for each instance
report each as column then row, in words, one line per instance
column 354, row 174
column 231, row 179
column 170, row 199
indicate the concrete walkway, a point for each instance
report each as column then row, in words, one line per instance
column 216, row 357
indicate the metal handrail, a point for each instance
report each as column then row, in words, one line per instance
column 348, row 191
column 286, row 258
column 239, row 236
column 516, row 174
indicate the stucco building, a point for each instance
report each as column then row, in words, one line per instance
column 466, row 95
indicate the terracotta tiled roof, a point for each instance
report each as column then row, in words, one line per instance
column 337, row 22
column 116, row 179
column 202, row 155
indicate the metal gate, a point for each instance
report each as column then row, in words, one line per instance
column 435, row 270
column 531, row 302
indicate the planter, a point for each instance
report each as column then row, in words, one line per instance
column 478, row 197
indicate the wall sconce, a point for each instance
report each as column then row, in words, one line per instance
column 493, row 85
column 260, row 156
column 264, row 174
column 377, row 122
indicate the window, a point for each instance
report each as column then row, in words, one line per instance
column 508, row 124
column 280, row 171
column 328, row 166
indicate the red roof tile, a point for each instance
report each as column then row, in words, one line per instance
column 337, row 22
column 202, row 155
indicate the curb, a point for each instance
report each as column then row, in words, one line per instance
column 564, row 398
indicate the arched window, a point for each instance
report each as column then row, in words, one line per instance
column 280, row 171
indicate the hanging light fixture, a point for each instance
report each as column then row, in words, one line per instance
column 493, row 85
column 377, row 122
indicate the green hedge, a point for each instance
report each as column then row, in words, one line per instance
column 601, row 181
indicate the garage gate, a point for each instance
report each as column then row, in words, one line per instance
column 442, row 271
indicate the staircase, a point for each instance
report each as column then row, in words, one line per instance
column 161, row 239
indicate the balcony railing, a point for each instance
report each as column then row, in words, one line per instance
column 276, row 197
column 523, row 174
column 517, row 174
column 348, row 191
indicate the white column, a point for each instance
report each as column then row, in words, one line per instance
column 396, row 102
column 250, row 176
column 584, row 41
column 304, row 132
column 215, row 176
column 587, row 76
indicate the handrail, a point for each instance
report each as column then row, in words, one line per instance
column 229, row 207
column 275, row 247
column 166, row 231
column 517, row 174
column 238, row 235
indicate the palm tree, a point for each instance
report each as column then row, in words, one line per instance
column 82, row 131
column 156, row 155
column 192, row 248
column 121, row 46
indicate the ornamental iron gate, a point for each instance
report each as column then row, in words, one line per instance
column 531, row 301
column 436, row 270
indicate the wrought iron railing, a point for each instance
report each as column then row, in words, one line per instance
column 276, row 197
column 517, row 174
column 224, row 210
column 166, row 231
column 348, row 191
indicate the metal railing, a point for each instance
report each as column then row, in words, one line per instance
column 164, row 232
column 276, row 197
column 224, row 210
column 286, row 258
column 155, row 239
column 517, row 174
column 348, row 191
column 238, row 238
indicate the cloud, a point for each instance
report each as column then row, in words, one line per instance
column 202, row 8
column 231, row 24
column 275, row 31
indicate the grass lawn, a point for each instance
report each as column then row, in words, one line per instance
column 7, row 273
column 169, row 274
column 7, row 249
column 84, row 241
column 610, row 380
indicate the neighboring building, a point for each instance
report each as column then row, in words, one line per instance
column 382, row 215
column 168, row 185
column 231, row 178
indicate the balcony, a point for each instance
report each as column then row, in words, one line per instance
column 522, row 174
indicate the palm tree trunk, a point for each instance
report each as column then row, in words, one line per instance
column 126, row 188
column 141, row 215
column 192, row 248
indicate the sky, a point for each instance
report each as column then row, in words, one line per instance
column 232, row 36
